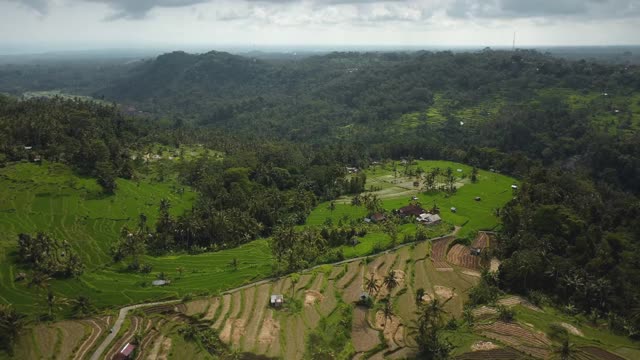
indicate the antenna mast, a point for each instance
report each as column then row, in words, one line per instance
column 514, row 42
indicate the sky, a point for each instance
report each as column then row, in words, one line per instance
column 49, row 25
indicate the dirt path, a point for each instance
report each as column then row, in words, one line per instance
column 118, row 324
column 96, row 331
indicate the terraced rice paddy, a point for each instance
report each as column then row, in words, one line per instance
column 247, row 323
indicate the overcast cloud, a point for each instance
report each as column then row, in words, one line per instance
column 73, row 23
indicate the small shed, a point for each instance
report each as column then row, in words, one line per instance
column 409, row 210
column 478, row 198
column 514, row 187
column 364, row 298
column 20, row 276
column 126, row 352
column 160, row 282
column 276, row 300
column 378, row 217
column 453, row 210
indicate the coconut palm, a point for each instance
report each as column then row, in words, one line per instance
column 390, row 281
column 82, row 306
column 387, row 310
column 40, row 280
column 371, row 285
column 11, row 324
column 565, row 351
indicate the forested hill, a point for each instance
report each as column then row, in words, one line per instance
column 322, row 93
column 178, row 76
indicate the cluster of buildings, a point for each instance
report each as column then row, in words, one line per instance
column 421, row 216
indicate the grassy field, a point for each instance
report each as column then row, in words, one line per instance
column 397, row 190
column 52, row 199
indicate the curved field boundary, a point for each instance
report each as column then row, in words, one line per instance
column 73, row 334
column 364, row 337
column 136, row 323
column 226, row 305
column 518, row 337
column 600, row 354
column 460, row 255
column 497, row 354
column 96, row 331
column 261, row 300
column 439, row 254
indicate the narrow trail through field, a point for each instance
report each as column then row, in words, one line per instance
column 125, row 310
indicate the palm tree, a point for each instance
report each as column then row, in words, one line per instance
column 52, row 301
column 390, row 281
column 565, row 351
column 82, row 306
column 387, row 310
column 40, row 280
column 11, row 324
column 371, row 285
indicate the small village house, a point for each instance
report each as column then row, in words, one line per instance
column 411, row 210
column 126, row 352
column 276, row 301
column 429, row 219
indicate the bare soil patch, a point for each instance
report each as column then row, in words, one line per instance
column 495, row 265
column 471, row 273
column 392, row 330
column 312, row 297
column 214, row 304
column 511, row 301
column 269, row 335
column 572, row 329
column 239, row 327
column 155, row 350
column 483, row 346
column 165, row 349
column 444, row 292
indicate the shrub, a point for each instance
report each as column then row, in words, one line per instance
column 505, row 314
